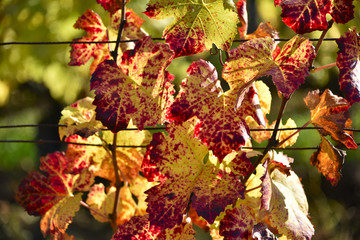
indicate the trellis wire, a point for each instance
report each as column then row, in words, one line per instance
column 133, row 40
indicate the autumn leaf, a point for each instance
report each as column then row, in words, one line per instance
column 57, row 219
column 189, row 173
column 305, row 16
column 330, row 112
column 196, row 25
column 262, row 31
column 139, row 89
column 97, row 31
column 202, row 96
column 329, row 160
column 51, row 193
column 342, row 10
column 111, row 5
column 288, row 211
column 139, row 228
column 254, row 59
column 348, row 61
column 284, row 134
column 128, row 159
column 79, row 119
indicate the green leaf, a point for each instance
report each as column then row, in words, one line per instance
column 197, row 24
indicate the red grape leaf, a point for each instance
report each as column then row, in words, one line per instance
column 330, row 112
column 201, row 88
column 139, row 89
column 57, row 219
column 348, row 61
column 238, row 222
column 266, row 187
column 305, row 16
column 79, row 119
column 288, row 211
column 111, row 5
column 139, row 228
column 95, row 31
column 196, row 25
column 342, row 10
column 187, row 171
column 243, row 17
column 38, row 192
column 253, row 59
column 329, row 160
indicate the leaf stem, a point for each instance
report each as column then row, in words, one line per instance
column 317, row 47
column 273, row 141
column 323, row 67
column 93, row 210
column 114, row 53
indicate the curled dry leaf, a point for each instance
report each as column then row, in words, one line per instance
column 329, row 160
column 330, row 112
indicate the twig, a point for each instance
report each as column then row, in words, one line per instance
column 323, row 67
column 114, row 53
column 293, row 134
column 93, row 210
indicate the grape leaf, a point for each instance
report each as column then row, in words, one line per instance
column 196, row 26
column 95, row 31
column 305, row 16
column 239, row 221
column 103, row 203
column 79, row 119
column 288, row 207
column 111, row 5
column 330, row 112
column 201, row 88
column 328, row 160
column 137, row 228
column 139, row 89
column 57, row 219
column 253, row 59
column 243, row 17
column 263, row 30
column 342, row 10
column 187, row 174
column 284, row 134
column 38, row 192
column 348, row 61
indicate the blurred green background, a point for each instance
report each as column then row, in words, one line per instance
column 36, row 83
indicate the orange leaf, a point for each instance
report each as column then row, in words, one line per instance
column 328, row 160
column 331, row 113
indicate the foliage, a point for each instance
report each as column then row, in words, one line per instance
column 201, row 167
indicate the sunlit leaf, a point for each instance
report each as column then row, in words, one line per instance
column 348, row 61
column 305, row 16
column 288, row 207
column 263, row 30
column 139, row 90
column 330, row 112
column 254, row 59
column 79, row 119
column 284, row 134
column 111, row 5
column 221, row 128
column 197, row 25
column 95, row 31
column 328, row 160
column 182, row 160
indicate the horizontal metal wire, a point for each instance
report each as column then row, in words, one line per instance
column 125, row 41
